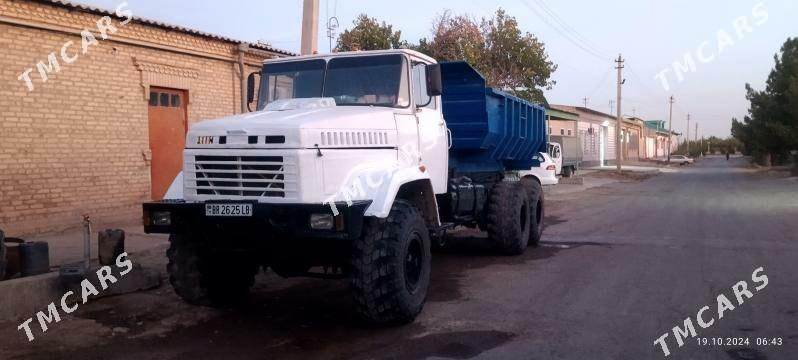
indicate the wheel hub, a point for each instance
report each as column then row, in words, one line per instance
column 413, row 262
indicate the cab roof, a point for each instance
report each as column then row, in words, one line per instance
column 408, row 52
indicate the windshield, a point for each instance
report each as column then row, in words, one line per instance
column 358, row 80
column 291, row 80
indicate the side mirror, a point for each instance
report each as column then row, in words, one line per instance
column 434, row 83
column 251, row 87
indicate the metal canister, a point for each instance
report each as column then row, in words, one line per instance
column 12, row 256
column 110, row 244
column 34, row 258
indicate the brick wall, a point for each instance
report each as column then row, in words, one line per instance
column 79, row 142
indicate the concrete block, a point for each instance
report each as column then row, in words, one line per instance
column 138, row 279
column 23, row 297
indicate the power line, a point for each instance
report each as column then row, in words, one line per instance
column 564, row 35
column 600, row 83
column 570, row 29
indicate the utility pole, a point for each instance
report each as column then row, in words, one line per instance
column 696, row 131
column 310, row 27
column 670, row 127
column 332, row 26
column 687, row 138
column 618, row 152
column 612, row 106
column 584, row 101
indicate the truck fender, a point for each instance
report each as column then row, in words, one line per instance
column 175, row 190
column 409, row 184
column 384, row 184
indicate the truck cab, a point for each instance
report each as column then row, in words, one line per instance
column 347, row 165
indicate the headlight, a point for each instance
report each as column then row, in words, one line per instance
column 321, row 221
column 161, row 218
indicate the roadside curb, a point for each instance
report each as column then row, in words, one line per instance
column 23, row 297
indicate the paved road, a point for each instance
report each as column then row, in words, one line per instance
column 621, row 266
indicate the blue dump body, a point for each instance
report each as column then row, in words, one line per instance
column 491, row 130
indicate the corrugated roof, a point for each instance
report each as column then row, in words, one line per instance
column 95, row 10
column 560, row 114
column 579, row 108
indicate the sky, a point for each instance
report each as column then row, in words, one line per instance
column 581, row 37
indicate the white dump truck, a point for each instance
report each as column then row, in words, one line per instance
column 566, row 153
column 352, row 166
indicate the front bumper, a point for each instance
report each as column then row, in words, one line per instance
column 288, row 220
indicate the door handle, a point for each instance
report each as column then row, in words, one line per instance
column 449, row 137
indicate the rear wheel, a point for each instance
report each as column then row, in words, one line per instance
column 204, row 277
column 536, row 205
column 508, row 218
column 567, row 171
column 390, row 266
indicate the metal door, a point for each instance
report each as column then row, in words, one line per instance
column 633, row 145
column 167, row 123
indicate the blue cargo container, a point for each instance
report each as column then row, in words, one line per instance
column 491, row 130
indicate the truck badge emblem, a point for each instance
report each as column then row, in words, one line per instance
column 204, row 140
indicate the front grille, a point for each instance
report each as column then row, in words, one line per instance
column 244, row 176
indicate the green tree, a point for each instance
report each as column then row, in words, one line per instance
column 369, row 34
column 770, row 130
column 509, row 59
column 516, row 61
column 456, row 38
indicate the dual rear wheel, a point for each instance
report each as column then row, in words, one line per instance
column 515, row 216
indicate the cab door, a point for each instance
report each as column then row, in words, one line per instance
column 555, row 151
column 433, row 143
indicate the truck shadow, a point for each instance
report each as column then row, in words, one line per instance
column 300, row 318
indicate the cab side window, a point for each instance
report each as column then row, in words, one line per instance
column 420, row 86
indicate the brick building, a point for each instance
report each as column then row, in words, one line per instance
column 94, row 106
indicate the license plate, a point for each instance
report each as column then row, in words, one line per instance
column 228, row 209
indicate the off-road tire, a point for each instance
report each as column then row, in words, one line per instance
column 508, row 218
column 536, row 210
column 390, row 266
column 202, row 277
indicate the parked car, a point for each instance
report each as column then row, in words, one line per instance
column 681, row 159
column 546, row 172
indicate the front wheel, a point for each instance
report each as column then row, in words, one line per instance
column 204, row 277
column 390, row 266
